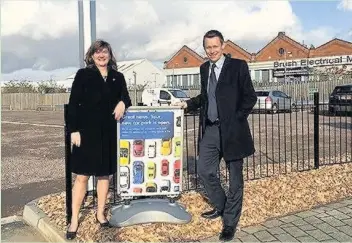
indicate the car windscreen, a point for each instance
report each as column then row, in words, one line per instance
column 262, row 93
column 179, row 94
column 343, row 89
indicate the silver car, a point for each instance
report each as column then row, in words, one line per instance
column 273, row 101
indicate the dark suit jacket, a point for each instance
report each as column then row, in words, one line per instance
column 235, row 97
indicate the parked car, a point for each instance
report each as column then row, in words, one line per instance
column 165, row 186
column 151, row 148
column 340, row 99
column 138, row 148
column 150, row 187
column 177, row 142
column 166, row 147
column 164, row 167
column 162, row 96
column 124, row 178
column 137, row 190
column 273, row 101
column 138, row 172
column 177, row 171
column 151, row 170
column 124, row 152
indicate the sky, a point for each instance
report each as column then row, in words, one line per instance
column 40, row 38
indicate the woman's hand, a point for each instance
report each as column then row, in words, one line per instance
column 76, row 138
column 119, row 110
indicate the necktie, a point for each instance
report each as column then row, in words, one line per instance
column 212, row 108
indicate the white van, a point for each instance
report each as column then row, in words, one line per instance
column 162, row 96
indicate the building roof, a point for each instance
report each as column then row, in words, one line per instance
column 301, row 50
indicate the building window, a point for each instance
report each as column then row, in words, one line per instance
column 281, row 51
column 257, row 75
column 185, row 59
column 196, row 81
column 265, row 76
column 184, row 80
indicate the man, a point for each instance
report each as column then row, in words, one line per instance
column 226, row 99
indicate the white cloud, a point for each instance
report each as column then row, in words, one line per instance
column 38, row 19
column 147, row 29
column 345, row 5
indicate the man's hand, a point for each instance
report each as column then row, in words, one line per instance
column 181, row 104
column 76, row 138
column 119, row 110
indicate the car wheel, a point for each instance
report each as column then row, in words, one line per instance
column 274, row 109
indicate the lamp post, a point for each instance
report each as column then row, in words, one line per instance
column 87, row 34
column 135, row 87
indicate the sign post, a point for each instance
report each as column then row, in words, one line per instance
column 150, row 164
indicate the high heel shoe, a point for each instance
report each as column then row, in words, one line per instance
column 105, row 224
column 70, row 235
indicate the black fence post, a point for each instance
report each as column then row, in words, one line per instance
column 68, row 174
column 316, row 130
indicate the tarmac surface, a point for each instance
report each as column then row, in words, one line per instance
column 15, row 230
column 33, row 162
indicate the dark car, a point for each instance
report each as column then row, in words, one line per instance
column 340, row 99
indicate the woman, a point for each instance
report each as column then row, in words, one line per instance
column 99, row 97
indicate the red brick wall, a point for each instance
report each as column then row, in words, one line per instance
column 178, row 61
column 335, row 48
column 236, row 53
column 271, row 52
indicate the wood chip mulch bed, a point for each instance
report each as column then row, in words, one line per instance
column 263, row 199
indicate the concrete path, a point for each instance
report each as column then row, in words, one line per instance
column 330, row 223
column 13, row 229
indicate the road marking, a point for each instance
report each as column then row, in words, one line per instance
column 32, row 124
column 10, row 219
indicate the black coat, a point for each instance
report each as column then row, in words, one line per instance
column 91, row 104
column 235, row 98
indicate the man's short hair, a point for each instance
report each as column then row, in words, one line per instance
column 211, row 34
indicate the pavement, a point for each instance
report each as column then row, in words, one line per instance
column 328, row 223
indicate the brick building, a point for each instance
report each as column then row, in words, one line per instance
column 281, row 59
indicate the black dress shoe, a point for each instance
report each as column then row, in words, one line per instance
column 211, row 214
column 227, row 234
column 70, row 235
column 105, row 224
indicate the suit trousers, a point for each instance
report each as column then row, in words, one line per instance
column 210, row 155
